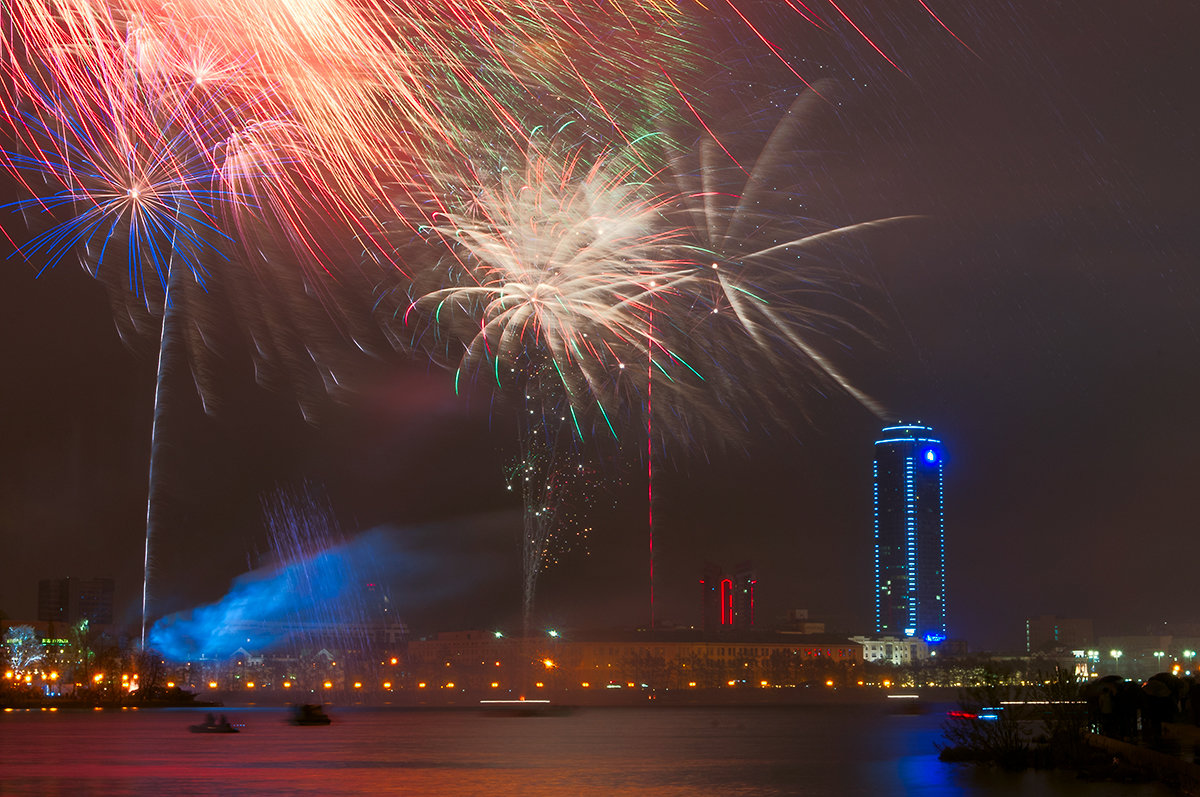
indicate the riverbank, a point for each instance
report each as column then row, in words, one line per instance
column 44, row 703
column 898, row 701
column 904, row 701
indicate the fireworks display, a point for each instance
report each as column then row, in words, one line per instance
column 582, row 282
column 256, row 150
column 567, row 273
column 558, row 261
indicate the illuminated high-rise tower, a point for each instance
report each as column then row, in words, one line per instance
column 910, row 541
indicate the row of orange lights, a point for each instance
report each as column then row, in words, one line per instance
column 450, row 684
column 126, row 682
column 288, row 684
column 28, row 677
column 53, row 676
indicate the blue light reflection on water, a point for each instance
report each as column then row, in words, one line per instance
column 800, row 750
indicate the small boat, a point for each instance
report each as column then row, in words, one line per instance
column 310, row 714
column 906, row 704
column 212, row 725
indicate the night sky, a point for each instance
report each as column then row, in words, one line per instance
column 1039, row 315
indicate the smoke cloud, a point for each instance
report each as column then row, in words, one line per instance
column 327, row 596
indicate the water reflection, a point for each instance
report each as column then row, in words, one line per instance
column 806, row 750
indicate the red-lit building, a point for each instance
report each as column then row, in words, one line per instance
column 727, row 599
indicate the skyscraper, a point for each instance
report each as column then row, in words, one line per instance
column 69, row 600
column 910, row 542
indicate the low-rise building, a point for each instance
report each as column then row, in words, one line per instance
column 900, row 651
column 659, row 659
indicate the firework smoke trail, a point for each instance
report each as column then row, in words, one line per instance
column 759, row 299
column 166, row 364
column 650, row 453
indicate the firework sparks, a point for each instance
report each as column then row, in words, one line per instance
column 558, row 262
column 573, row 262
column 773, row 299
column 558, row 489
column 154, row 192
column 377, row 88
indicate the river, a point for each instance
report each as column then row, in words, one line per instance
column 793, row 750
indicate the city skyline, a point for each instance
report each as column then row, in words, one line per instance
column 1040, row 315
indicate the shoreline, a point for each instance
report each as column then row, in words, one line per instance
column 913, row 701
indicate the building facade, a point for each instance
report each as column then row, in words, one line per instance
column 897, row 651
column 909, row 525
column 487, row 661
column 1049, row 633
column 69, row 600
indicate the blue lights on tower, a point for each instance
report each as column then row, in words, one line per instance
column 909, row 534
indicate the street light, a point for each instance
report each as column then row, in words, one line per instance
column 1158, row 654
column 1116, row 655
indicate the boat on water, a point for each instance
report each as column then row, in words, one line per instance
column 310, row 714
column 213, row 725
column 907, row 704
